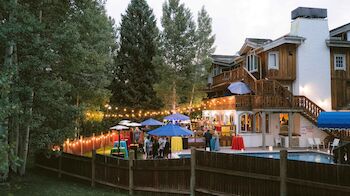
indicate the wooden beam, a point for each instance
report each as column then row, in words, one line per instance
column 193, row 172
column 238, row 173
column 283, row 172
column 131, row 172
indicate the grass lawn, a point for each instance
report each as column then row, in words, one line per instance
column 36, row 183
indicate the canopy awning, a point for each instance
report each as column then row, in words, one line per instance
column 177, row 116
column 334, row 120
column 170, row 130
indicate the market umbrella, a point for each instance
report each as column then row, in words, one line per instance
column 239, row 88
column 133, row 124
column 151, row 122
column 177, row 116
column 118, row 128
column 124, row 122
column 170, row 130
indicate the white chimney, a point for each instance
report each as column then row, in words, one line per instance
column 313, row 77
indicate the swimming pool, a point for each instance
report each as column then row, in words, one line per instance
column 298, row 156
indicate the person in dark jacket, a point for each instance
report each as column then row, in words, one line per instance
column 155, row 148
column 207, row 136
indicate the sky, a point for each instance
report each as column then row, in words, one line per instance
column 235, row 20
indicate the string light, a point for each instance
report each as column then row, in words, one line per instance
column 204, row 105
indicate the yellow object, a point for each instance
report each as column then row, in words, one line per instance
column 225, row 130
column 176, row 144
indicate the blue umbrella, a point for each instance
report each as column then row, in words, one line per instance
column 239, row 88
column 151, row 122
column 177, row 116
column 170, row 130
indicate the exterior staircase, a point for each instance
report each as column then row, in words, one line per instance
column 268, row 94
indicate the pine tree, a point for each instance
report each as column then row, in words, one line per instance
column 204, row 49
column 178, row 50
column 134, row 71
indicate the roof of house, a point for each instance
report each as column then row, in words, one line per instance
column 224, row 60
column 339, row 30
column 258, row 41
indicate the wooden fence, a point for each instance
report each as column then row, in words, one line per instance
column 206, row 173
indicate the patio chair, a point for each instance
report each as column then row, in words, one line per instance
column 311, row 142
column 335, row 143
column 318, row 143
column 278, row 141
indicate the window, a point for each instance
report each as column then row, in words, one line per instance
column 246, row 122
column 273, row 60
column 339, row 62
column 252, row 63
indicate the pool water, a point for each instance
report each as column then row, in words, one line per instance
column 298, row 156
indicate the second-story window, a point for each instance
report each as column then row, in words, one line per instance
column 339, row 62
column 273, row 60
column 252, row 62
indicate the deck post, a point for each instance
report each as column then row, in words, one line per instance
column 131, row 172
column 60, row 165
column 263, row 129
column 81, row 145
column 283, row 172
column 93, row 162
column 290, row 128
column 193, row 172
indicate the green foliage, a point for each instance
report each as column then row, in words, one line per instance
column 177, row 50
column 55, row 64
column 134, row 72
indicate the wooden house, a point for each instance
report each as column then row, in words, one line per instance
column 292, row 78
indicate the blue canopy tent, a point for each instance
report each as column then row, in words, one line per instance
column 239, row 88
column 334, row 120
column 177, row 116
column 170, row 130
column 151, row 122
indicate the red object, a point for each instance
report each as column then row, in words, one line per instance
column 218, row 128
column 237, row 143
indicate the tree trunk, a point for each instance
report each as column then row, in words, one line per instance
column 174, row 97
column 4, row 137
column 27, row 133
column 77, row 130
column 191, row 99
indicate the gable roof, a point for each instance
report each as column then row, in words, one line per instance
column 252, row 43
column 339, row 30
column 223, row 60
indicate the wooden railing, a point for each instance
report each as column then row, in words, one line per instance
column 206, row 173
column 267, row 94
column 308, row 106
column 238, row 74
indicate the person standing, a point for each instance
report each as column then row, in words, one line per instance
column 207, row 136
column 148, row 147
column 216, row 142
column 161, row 143
column 155, row 147
column 166, row 148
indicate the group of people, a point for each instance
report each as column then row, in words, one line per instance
column 155, row 147
column 212, row 141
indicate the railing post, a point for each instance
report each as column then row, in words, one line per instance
column 131, row 172
column 60, row 165
column 81, row 145
column 283, row 172
column 93, row 160
column 193, row 172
